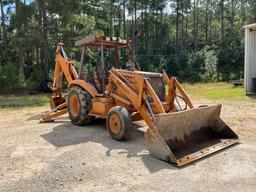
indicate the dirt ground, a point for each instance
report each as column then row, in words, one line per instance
column 59, row 156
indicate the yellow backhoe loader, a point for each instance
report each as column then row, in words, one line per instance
column 177, row 131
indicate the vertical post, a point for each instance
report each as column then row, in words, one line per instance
column 133, row 51
column 102, row 65
column 81, row 63
column 117, row 57
column 246, row 60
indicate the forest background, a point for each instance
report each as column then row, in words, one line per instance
column 195, row 40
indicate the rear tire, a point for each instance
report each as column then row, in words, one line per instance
column 119, row 123
column 44, row 86
column 79, row 106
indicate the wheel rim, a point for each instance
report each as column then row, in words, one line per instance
column 74, row 105
column 115, row 123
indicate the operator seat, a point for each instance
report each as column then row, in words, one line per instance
column 102, row 76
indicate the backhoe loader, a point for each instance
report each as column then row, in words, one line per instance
column 178, row 132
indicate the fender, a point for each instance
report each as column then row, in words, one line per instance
column 86, row 86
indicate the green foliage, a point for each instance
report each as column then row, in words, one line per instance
column 196, row 40
column 195, row 66
column 35, row 77
column 209, row 73
column 9, row 78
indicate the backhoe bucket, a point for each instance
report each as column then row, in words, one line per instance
column 183, row 137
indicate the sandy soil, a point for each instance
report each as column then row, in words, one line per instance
column 58, row 156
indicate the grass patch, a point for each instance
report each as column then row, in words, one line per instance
column 212, row 91
column 12, row 101
column 216, row 91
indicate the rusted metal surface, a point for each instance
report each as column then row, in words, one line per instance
column 74, row 105
column 56, row 112
column 190, row 135
column 56, row 101
column 224, row 143
column 95, row 41
column 115, row 123
column 157, row 84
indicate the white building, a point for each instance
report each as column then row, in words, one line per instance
column 250, row 59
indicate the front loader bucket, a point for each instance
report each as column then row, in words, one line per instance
column 183, row 137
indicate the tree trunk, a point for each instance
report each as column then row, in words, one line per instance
column 161, row 32
column 43, row 39
column 17, row 5
column 182, row 25
column 195, row 24
column 210, row 24
column 110, row 19
column 135, row 28
column 4, row 32
column 119, row 23
column 124, row 18
column 232, row 12
column 135, row 13
column 222, row 20
column 145, row 31
column 206, row 21
column 20, row 51
column 243, row 11
column 197, row 28
column 45, row 42
column 177, row 28
column 186, row 38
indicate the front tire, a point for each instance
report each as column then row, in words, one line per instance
column 119, row 123
column 79, row 106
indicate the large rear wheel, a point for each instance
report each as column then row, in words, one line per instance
column 79, row 106
column 119, row 123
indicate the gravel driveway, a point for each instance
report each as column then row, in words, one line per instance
column 59, row 156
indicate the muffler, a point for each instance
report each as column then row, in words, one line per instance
column 185, row 136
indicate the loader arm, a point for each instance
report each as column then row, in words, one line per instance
column 173, row 85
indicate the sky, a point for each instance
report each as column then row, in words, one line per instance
column 168, row 8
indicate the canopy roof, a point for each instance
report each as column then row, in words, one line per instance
column 250, row 26
column 95, row 41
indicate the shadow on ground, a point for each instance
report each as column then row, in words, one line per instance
column 253, row 96
column 67, row 134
